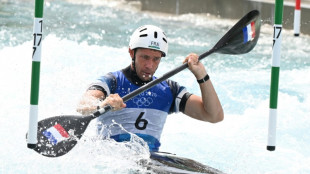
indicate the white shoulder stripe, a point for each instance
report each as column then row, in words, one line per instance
column 104, row 85
column 178, row 100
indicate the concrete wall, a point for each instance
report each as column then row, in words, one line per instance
column 233, row 9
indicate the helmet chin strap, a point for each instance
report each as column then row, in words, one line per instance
column 134, row 60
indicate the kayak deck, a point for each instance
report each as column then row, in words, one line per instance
column 164, row 163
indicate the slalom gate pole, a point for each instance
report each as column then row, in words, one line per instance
column 35, row 74
column 275, row 71
column 297, row 18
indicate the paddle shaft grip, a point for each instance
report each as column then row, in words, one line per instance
column 101, row 111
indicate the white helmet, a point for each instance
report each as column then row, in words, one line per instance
column 151, row 37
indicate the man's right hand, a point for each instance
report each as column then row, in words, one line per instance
column 115, row 101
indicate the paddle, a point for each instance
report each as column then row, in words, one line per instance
column 58, row 135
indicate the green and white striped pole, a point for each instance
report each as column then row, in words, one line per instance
column 275, row 71
column 35, row 74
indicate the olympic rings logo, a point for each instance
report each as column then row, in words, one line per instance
column 143, row 101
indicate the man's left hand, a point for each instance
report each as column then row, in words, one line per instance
column 195, row 66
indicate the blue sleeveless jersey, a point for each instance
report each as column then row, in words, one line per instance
column 144, row 115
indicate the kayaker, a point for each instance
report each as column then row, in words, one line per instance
column 145, row 114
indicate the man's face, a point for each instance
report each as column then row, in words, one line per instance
column 147, row 61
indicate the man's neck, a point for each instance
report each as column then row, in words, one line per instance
column 132, row 76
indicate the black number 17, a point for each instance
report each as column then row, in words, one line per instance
column 35, row 39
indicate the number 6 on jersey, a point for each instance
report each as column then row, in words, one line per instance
column 140, row 122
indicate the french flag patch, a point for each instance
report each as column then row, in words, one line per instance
column 56, row 134
column 249, row 32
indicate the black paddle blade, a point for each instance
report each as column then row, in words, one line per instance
column 58, row 135
column 242, row 37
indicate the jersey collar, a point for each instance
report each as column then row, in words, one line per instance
column 133, row 77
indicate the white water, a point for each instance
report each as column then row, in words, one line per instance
column 78, row 49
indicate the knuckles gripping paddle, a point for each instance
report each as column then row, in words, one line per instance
column 58, row 135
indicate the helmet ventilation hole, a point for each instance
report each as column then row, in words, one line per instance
column 143, row 35
column 143, row 30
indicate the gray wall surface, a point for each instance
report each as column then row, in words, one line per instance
column 233, row 9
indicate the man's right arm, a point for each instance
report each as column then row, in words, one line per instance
column 94, row 99
column 90, row 101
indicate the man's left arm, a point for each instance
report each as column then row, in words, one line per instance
column 208, row 106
